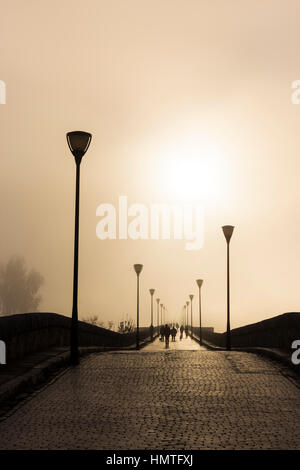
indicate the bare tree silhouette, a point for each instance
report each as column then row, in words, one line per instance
column 93, row 320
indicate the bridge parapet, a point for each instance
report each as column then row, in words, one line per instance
column 27, row 333
column 276, row 332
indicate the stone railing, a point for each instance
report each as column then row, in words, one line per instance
column 26, row 333
column 276, row 332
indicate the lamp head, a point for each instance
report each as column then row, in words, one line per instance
column 78, row 142
column 227, row 230
column 151, row 291
column 191, row 297
column 158, row 300
column 199, row 282
column 138, row 268
column 187, row 303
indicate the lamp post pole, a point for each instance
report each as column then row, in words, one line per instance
column 228, row 230
column 157, row 309
column 138, row 268
column 187, row 312
column 199, row 283
column 191, row 297
column 151, row 327
column 78, row 143
column 161, row 314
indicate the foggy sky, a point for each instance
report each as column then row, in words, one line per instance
column 139, row 74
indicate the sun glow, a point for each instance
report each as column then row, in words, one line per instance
column 194, row 169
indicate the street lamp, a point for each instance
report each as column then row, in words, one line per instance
column 78, row 143
column 200, row 282
column 151, row 327
column 185, row 315
column 228, row 230
column 187, row 312
column 191, row 297
column 138, row 269
column 157, row 301
column 161, row 314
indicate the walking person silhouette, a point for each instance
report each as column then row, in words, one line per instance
column 181, row 332
column 167, row 333
column 173, row 333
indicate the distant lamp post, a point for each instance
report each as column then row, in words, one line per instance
column 185, row 317
column 78, row 143
column 187, row 312
column 200, row 282
column 191, row 297
column 228, row 230
column 157, row 301
column 138, row 269
column 161, row 313
column 151, row 326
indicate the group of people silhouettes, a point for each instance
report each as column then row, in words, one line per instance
column 166, row 331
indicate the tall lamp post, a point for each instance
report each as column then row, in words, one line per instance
column 78, row 143
column 138, row 269
column 187, row 312
column 199, row 283
column 151, row 327
column 185, row 317
column 228, row 230
column 161, row 314
column 191, row 297
column 157, row 301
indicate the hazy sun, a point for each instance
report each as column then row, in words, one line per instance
column 194, row 169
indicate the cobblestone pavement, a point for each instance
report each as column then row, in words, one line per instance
column 173, row 399
column 186, row 344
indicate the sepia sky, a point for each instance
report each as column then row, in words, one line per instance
column 187, row 100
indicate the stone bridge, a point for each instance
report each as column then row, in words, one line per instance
column 185, row 397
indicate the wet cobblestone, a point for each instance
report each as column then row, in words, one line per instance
column 151, row 399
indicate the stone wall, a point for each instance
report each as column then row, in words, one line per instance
column 277, row 332
column 26, row 333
